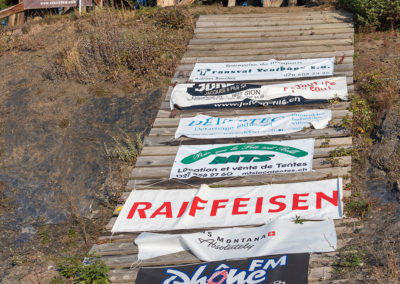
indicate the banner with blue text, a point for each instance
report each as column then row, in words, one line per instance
column 207, row 127
column 278, row 269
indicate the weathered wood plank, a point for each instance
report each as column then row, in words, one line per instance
column 265, row 51
column 160, row 167
column 261, row 57
column 185, row 257
column 272, row 39
column 174, row 122
column 269, row 14
column 265, row 34
column 340, row 106
column 156, row 137
column 321, row 145
column 345, row 226
column 186, row 69
column 319, row 174
column 127, row 246
column 272, row 22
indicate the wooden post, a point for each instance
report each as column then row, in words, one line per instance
column 11, row 20
column 20, row 16
column 266, row 3
column 231, row 3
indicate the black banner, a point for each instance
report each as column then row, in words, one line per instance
column 219, row 89
column 278, row 269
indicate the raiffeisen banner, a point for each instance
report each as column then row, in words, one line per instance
column 165, row 210
column 262, row 70
column 278, row 269
column 277, row 237
column 208, row 127
column 238, row 95
column 228, row 160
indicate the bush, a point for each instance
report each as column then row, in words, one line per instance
column 95, row 272
column 374, row 14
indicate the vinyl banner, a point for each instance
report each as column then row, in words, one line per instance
column 41, row 4
column 262, row 70
column 205, row 127
column 278, row 269
column 277, row 237
column 227, row 160
column 166, row 210
column 230, row 95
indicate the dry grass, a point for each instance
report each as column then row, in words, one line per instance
column 114, row 46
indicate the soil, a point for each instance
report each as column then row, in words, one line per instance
column 58, row 187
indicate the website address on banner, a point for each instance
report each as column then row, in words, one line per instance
column 249, row 173
column 46, row 3
column 277, row 102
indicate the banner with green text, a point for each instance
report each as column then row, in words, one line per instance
column 227, row 160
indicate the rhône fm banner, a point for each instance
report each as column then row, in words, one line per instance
column 208, row 127
column 277, row 269
column 228, row 160
column 238, row 95
column 262, row 70
column 175, row 209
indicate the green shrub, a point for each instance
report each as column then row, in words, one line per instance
column 375, row 14
column 94, row 273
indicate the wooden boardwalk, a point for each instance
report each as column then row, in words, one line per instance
column 235, row 38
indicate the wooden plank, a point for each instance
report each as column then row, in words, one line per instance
column 312, row 38
column 160, row 167
column 321, row 146
column 265, row 34
column 270, row 15
column 260, row 51
column 12, row 11
column 261, row 57
column 261, row 45
column 171, row 129
column 160, row 137
column 348, row 226
column 174, row 122
column 319, row 174
column 185, row 69
column 246, row 28
column 152, row 162
column 261, row 22
column 252, row 110
column 184, row 257
column 127, row 246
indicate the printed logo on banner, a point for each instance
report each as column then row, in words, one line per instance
column 155, row 210
column 280, row 269
column 213, row 161
column 275, row 237
column 207, row 127
column 262, row 70
column 225, row 95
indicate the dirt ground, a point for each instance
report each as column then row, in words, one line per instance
column 56, row 124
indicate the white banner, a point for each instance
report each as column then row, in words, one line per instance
column 204, row 127
column 226, row 160
column 262, row 70
column 229, row 95
column 165, row 210
column 278, row 237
